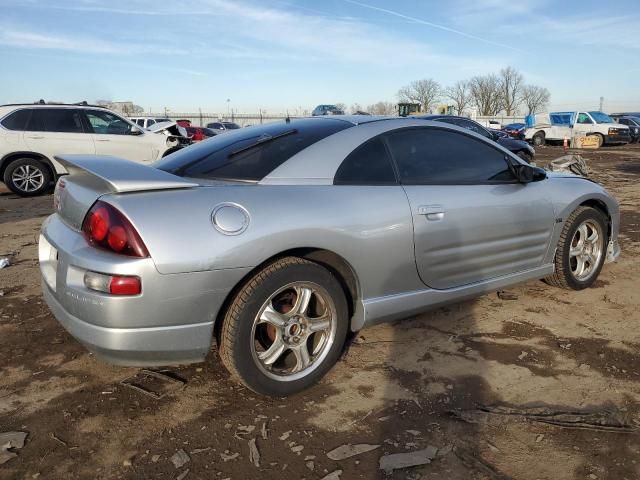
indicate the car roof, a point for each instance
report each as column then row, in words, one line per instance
column 317, row 164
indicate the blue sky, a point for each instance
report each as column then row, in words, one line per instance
column 288, row 54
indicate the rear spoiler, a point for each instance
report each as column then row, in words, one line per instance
column 112, row 174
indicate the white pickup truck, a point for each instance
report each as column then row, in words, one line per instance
column 556, row 126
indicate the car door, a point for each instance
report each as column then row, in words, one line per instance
column 583, row 125
column 55, row 131
column 115, row 136
column 472, row 220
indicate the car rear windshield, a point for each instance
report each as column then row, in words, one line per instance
column 249, row 154
column 230, row 125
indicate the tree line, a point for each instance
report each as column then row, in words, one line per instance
column 490, row 94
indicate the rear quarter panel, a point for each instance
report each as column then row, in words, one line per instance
column 369, row 227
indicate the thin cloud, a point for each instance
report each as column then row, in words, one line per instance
column 433, row 25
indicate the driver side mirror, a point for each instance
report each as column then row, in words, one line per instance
column 135, row 130
column 525, row 173
column 528, row 173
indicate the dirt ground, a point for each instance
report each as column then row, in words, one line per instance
column 546, row 386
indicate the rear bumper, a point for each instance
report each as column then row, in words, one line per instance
column 170, row 322
column 153, row 346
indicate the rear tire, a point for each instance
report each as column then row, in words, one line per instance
column 539, row 139
column 285, row 328
column 27, row 177
column 575, row 249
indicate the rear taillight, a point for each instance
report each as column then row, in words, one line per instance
column 105, row 227
column 113, row 284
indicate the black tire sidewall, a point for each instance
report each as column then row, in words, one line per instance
column 538, row 140
column 581, row 217
column 34, row 163
column 243, row 358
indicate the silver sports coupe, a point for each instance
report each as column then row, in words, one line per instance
column 279, row 240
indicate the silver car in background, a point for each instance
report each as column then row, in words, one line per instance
column 276, row 241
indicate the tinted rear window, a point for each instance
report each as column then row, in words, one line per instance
column 249, row 153
column 16, row 120
column 63, row 120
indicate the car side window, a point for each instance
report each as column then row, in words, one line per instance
column 474, row 127
column 151, row 122
column 105, row 123
column 584, row 118
column 16, row 120
column 140, row 122
column 436, row 156
column 369, row 164
column 60, row 120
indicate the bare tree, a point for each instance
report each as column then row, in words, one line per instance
column 426, row 92
column 341, row 106
column 535, row 98
column 511, row 83
column 459, row 95
column 485, row 94
column 356, row 107
column 382, row 108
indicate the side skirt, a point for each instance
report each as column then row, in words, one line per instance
column 394, row 307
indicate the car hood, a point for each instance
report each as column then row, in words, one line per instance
column 171, row 129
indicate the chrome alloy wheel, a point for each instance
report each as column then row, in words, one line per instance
column 294, row 331
column 28, row 178
column 586, row 250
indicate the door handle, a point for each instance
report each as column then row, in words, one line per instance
column 36, row 137
column 432, row 212
column 102, row 140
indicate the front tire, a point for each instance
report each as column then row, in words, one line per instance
column 27, row 177
column 600, row 140
column 285, row 328
column 581, row 250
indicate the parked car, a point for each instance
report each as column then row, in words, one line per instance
column 490, row 124
column 326, row 110
column 634, row 126
column 147, row 122
column 222, row 127
column 276, row 240
column 198, row 134
column 515, row 130
column 32, row 134
column 556, row 126
column 518, row 147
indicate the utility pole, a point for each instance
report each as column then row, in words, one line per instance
column 601, row 104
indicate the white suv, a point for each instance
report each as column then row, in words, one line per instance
column 32, row 134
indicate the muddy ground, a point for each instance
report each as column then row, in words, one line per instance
column 546, row 386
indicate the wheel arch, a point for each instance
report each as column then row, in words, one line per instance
column 7, row 159
column 602, row 208
column 336, row 264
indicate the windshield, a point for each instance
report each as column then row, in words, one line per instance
column 249, row 154
column 230, row 125
column 600, row 117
